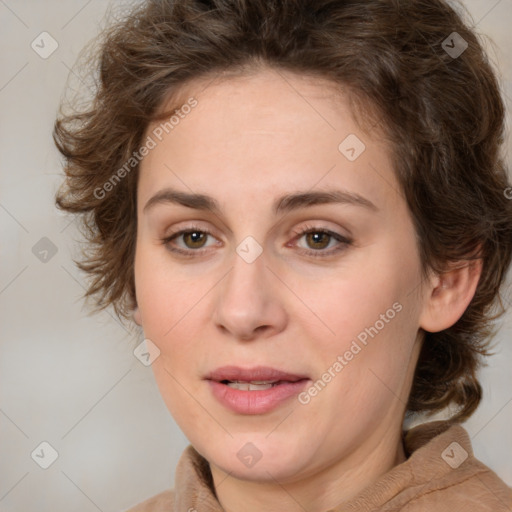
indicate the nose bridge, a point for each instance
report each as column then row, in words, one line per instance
column 245, row 282
column 246, row 300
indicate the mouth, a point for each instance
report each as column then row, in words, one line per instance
column 255, row 390
column 252, row 379
column 250, row 386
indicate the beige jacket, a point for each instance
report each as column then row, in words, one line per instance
column 440, row 475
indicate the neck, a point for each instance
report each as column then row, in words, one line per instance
column 322, row 491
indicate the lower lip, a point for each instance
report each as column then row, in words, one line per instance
column 256, row 402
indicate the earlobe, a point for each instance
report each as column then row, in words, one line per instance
column 449, row 295
column 136, row 316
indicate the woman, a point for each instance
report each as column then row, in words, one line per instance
column 304, row 206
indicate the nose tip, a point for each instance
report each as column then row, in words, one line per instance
column 248, row 305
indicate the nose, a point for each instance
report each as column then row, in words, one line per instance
column 249, row 302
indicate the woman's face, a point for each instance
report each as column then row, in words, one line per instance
column 243, row 295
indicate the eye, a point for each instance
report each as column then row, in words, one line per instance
column 193, row 237
column 320, row 238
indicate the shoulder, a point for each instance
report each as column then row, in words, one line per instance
column 162, row 502
column 484, row 491
column 450, row 476
column 491, row 490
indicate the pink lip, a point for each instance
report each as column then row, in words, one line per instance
column 248, row 374
column 254, row 402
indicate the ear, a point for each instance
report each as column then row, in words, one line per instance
column 449, row 295
column 136, row 316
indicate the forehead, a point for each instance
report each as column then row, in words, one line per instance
column 258, row 129
column 266, row 100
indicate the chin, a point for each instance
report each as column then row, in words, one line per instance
column 257, row 458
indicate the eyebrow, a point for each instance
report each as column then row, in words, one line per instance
column 283, row 204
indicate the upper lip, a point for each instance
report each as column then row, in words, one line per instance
column 257, row 373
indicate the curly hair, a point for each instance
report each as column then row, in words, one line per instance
column 442, row 112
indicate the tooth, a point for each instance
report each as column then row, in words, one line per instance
column 258, row 387
column 250, row 386
column 242, row 386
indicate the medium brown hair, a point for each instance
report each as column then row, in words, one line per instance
column 443, row 115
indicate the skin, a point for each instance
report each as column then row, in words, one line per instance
column 250, row 140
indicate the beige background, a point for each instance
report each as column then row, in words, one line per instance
column 72, row 380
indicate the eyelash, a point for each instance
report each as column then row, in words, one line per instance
column 320, row 253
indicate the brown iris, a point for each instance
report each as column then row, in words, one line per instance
column 316, row 237
column 198, row 239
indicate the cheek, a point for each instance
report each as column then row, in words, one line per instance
column 369, row 318
column 164, row 297
column 173, row 316
column 347, row 304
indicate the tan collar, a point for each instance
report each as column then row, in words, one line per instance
column 433, row 449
